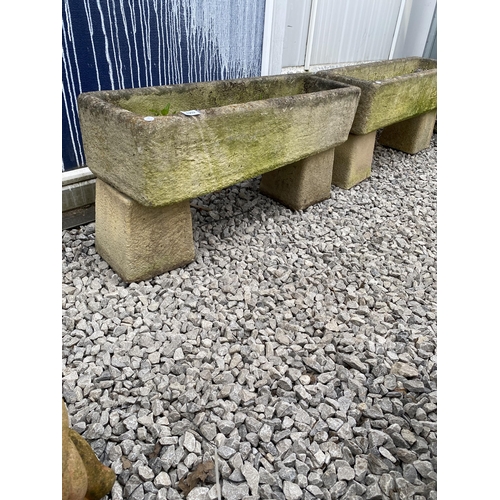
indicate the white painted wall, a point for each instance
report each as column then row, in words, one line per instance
column 414, row 32
column 274, row 36
column 343, row 31
column 297, row 22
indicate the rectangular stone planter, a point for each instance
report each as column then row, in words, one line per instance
column 398, row 96
column 284, row 128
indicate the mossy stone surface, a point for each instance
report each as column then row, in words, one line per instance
column 246, row 127
column 391, row 91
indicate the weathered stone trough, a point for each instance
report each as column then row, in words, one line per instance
column 154, row 149
column 398, row 96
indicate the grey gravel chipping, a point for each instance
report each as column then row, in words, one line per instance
column 300, row 345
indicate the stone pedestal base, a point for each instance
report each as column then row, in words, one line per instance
column 302, row 183
column 353, row 160
column 410, row 136
column 141, row 242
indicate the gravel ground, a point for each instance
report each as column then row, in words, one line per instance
column 299, row 345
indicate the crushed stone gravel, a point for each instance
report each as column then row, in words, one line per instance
column 300, row 347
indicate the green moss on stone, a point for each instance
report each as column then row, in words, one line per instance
column 219, row 149
column 394, row 103
column 391, row 91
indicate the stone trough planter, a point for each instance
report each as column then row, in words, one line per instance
column 398, row 96
column 154, row 149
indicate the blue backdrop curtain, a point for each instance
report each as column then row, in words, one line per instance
column 114, row 44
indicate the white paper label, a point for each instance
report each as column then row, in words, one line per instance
column 149, row 118
column 192, row 112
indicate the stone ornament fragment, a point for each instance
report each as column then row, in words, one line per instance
column 83, row 476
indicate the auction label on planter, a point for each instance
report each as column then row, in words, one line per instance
column 192, row 112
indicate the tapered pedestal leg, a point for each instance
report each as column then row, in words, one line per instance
column 141, row 242
column 301, row 184
column 353, row 160
column 410, row 136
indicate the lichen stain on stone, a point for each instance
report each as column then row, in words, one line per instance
column 213, row 154
column 391, row 91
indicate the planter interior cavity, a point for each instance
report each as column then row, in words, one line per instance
column 210, row 95
column 399, row 96
column 284, row 128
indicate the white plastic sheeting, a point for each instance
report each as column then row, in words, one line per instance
column 341, row 31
